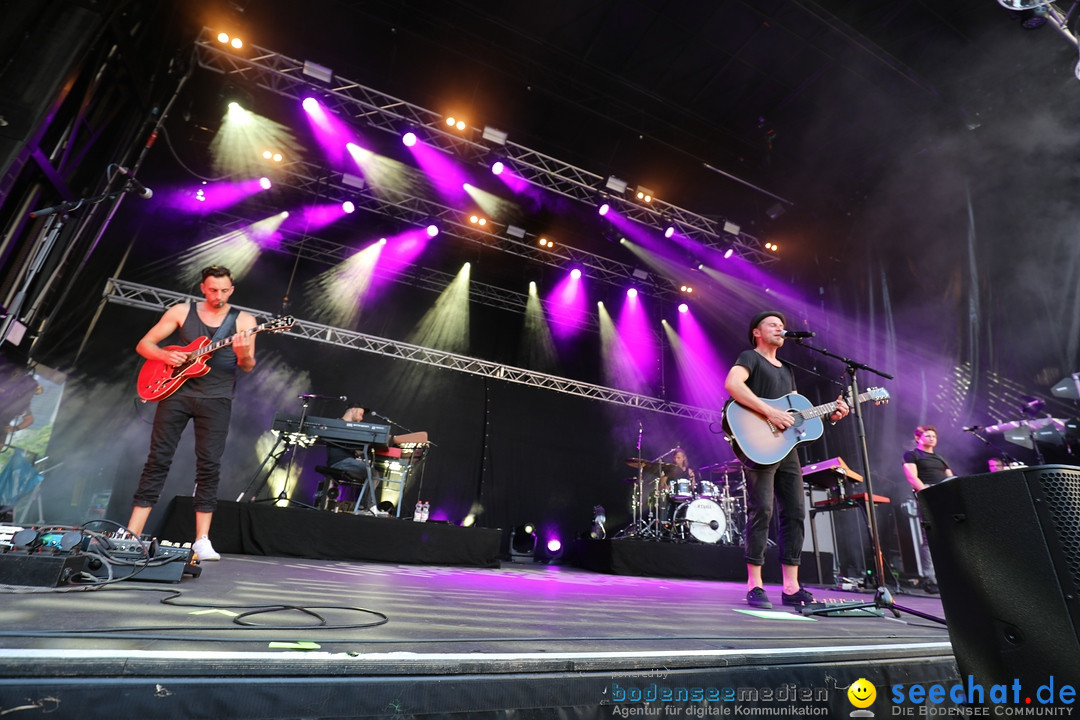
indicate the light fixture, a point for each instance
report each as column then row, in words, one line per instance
column 599, row 517
column 455, row 123
column 515, row 231
column 731, row 228
column 409, row 139
column 353, row 181
column 432, row 230
column 575, row 274
column 318, row 72
column 603, row 209
column 683, row 307
column 644, row 194
column 493, row 135
column 544, row 242
column 478, row 220
column 615, row 184
column 729, row 252
column 497, row 167
column 686, row 289
column 640, row 274
column 670, row 231
column 772, row 246
column 348, row 207
column 631, row 293
column 523, row 543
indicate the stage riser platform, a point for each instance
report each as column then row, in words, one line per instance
column 699, row 561
column 263, row 529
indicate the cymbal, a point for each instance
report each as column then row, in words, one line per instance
column 638, row 462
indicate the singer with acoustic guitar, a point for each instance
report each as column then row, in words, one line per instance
column 203, row 399
column 757, row 376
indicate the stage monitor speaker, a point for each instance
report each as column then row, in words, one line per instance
column 1006, row 549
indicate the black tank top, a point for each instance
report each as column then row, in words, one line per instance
column 220, row 382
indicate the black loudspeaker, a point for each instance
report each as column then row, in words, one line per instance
column 1006, row 548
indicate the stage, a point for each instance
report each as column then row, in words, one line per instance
column 261, row 636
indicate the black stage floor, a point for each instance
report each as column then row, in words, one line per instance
column 274, row 637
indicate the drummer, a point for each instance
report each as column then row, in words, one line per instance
column 678, row 469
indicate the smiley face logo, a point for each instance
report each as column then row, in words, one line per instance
column 862, row 693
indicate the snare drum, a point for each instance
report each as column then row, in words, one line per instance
column 681, row 489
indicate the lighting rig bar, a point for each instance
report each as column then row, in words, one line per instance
column 310, row 178
column 284, row 76
column 132, row 294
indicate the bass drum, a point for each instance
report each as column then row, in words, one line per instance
column 703, row 519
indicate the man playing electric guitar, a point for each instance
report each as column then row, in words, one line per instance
column 758, row 374
column 206, row 399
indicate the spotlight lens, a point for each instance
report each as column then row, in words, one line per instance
column 267, row 154
column 450, row 121
column 669, row 232
column 460, row 125
column 409, row 139
column 278, row 157
column 310, row 104
column 575, row 274
column 604, row 209
column 432, row 231
column 554, row 545
column 497, row 167
column 264, row 183
column 728, row 253
column 683, row 307
column 223, row 37
column 237, row 43
column 631, row 293
column 348, row 207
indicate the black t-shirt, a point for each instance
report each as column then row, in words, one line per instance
column 931, row 467
column 766, row 380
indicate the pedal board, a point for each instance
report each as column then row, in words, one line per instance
column 149, row 561
column 841, row 608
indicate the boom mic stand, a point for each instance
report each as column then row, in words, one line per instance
column 882, row 598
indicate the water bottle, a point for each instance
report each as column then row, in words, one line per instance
column 425, row 511
column 418, row 513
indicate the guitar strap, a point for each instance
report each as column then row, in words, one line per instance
column 223, row 329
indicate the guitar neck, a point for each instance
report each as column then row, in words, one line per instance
column 830, row 408
column 214, row 346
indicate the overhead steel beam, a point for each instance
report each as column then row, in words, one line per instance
column 143, row 296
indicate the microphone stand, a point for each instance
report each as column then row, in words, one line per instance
column 882, row 598
column 992, row 445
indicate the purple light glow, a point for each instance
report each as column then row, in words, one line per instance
column 635, row 330
column 554, row 545
column 604, row 210
column 683, row 308
column 264, row 183
column 566, row 306
column 332, row 134
column 432, row 230
column 497, row 168
column 729, row 252
column 209, row 198
column 631, row 293
column 517, row 184
column 575, row 274
column 314, row 217
column 445, row 175
column 669, row 232
column 700, row 369
column 409, row 139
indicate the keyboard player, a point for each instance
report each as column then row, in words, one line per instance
column 350, row 459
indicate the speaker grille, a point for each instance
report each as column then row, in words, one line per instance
column 1061, row 489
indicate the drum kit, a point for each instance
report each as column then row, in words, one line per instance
column 684, row 509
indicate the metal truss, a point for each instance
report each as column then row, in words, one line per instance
column 284, row 76
column 143, row 296
column 310, row 178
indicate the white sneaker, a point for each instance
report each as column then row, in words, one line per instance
column 204, row 550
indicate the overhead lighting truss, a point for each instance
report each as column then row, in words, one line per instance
column 284, row 76
column 132, row 294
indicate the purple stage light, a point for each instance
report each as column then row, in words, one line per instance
column 311, row 105
column 631, row 293
column 409, row 139
column 729, row 252
column 554, row 545
column 603, row 210
column 348, row 207
column 432, row 231
column 264, row 183
column 497, row 167
column 683, row 307
column 575, row 274
column 669, row 232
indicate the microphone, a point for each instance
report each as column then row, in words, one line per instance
column 972, row 428
column 141, row 190
column 797, row 334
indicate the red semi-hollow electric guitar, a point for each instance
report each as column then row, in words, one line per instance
column 158, row 381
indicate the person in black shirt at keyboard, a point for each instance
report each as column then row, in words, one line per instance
column 924, row 467
column 205, row 400
column 350, row 460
